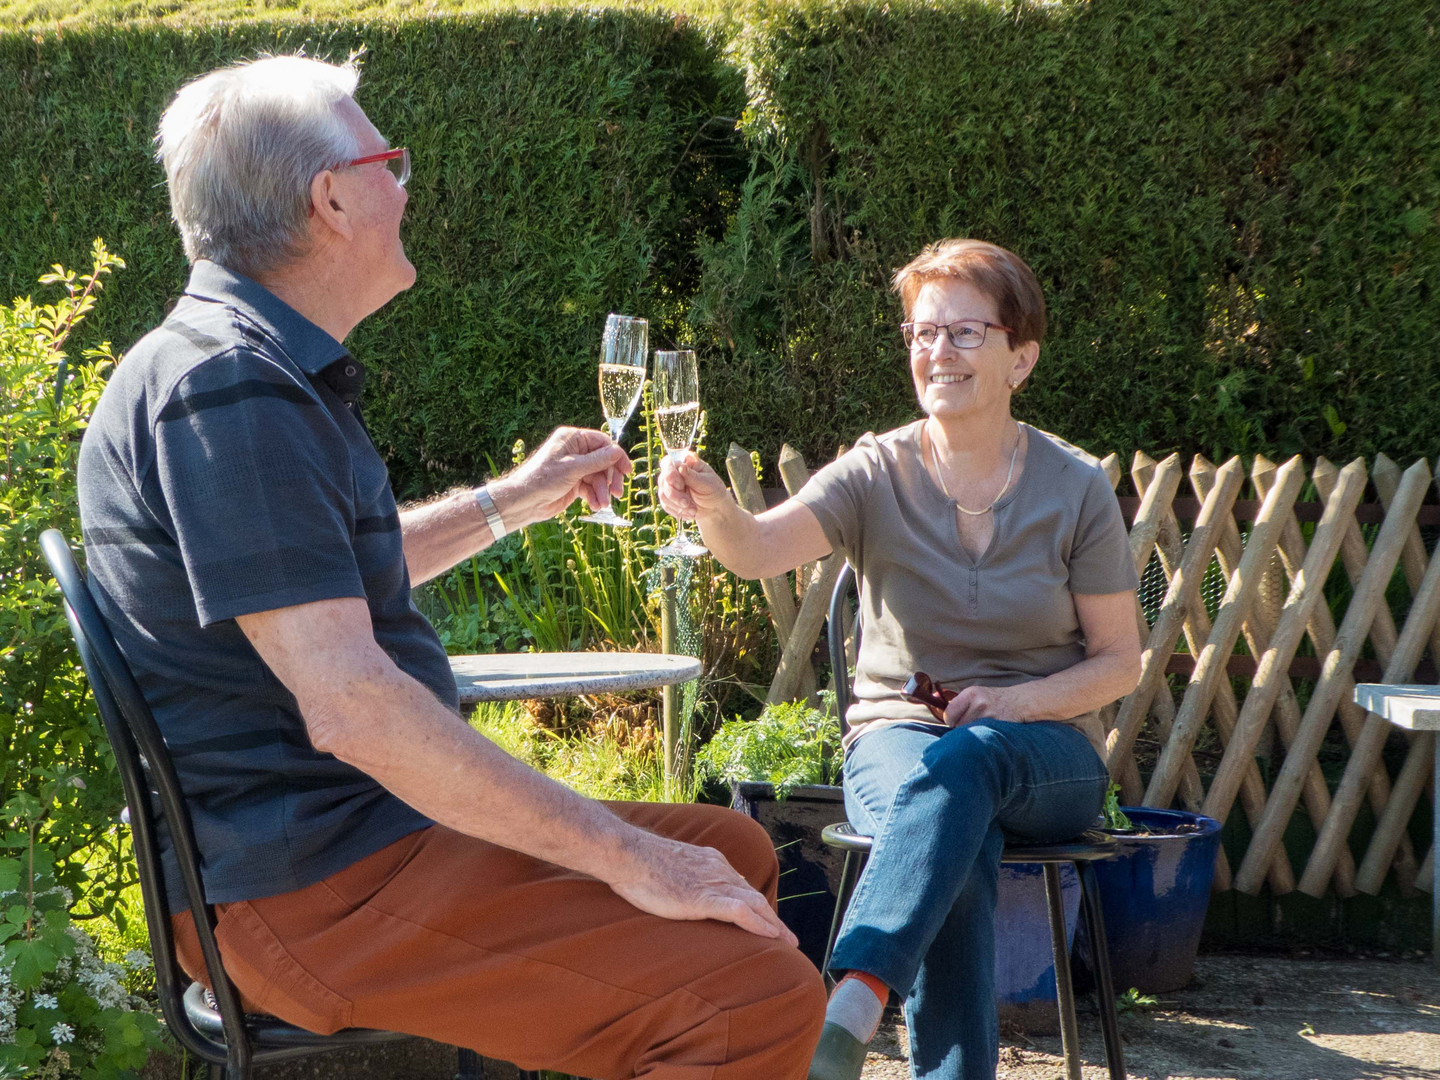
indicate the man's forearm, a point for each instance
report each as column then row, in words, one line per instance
column 446, row 531
column 442, row 767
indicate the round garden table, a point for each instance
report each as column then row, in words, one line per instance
column 511, row 676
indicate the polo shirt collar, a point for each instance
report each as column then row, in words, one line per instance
column 311, row 348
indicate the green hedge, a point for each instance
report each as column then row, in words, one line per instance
column 566, row 165
column 1232, row 206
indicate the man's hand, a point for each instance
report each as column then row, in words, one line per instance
column 985, row 703
column 682, row 881
column 690, row 488
column 572, row 463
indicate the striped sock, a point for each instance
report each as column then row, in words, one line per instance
column 857, row 1004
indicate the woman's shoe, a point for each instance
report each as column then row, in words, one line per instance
column 840, row 1056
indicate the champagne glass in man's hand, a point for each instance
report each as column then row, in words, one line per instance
column 622, row 379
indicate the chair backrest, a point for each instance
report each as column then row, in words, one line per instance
column 847, row 587
column 150, row 784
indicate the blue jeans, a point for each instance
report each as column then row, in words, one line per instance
column 940, row 803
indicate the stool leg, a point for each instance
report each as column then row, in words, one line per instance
column 849, row 875
column 471, row 1067
column 1100, row 958
column 1064, row 988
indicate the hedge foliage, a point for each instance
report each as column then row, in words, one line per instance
column 1233, row 206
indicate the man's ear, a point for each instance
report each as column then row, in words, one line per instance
column 327, row 205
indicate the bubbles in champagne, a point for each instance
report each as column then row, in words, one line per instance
column 620, row 386
column 677, row 424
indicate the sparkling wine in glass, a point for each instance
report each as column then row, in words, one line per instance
column 622, row 379
column 677, row 417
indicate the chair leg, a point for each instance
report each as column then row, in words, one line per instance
column 228, row 1072
column 1100, row 960
column 1064, row 987
column 849, row 875
column 471, row 1066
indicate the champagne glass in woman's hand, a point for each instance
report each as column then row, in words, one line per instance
column 622, row 378
column 677, row 416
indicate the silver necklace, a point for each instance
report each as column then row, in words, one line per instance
column 935, row 460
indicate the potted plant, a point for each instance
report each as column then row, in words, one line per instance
column 1155, row 892
column 783, row 769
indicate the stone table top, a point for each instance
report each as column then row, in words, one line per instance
column 510, row 676
column 1408, row 705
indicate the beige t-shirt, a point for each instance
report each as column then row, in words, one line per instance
column 925, row 605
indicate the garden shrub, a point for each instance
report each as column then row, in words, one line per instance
column 1232, row 207
column 64, row 1011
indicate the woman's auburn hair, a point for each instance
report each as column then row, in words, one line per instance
column 999, row 274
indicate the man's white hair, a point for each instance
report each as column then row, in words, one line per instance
column 240, row 147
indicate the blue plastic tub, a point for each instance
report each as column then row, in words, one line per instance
column 1024, row 957
column 1155, row 894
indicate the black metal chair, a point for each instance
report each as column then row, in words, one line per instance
column 211, row 1025
column 1090, row 847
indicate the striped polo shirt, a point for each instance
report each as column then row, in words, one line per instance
column 227, row 471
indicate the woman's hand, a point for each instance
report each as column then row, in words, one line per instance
column 689, row 489
column 986, row 703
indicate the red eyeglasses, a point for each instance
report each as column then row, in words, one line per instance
column 397, row 161
column 923, row 690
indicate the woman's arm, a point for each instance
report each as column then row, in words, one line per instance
column 748, row 545
column 1110, row 670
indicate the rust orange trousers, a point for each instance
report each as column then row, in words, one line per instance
column 461, row 941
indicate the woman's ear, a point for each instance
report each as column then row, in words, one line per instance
column 1026, row 358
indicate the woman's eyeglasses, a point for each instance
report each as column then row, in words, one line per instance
column 964, row 334
column 920, row 689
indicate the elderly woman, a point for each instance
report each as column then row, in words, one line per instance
column 993, row 557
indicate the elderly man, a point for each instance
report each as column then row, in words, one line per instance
column 374, row 861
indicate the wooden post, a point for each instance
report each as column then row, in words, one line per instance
column 1210, row 665
column 1305, row 594
column 1321, row 630
column 669, row 696
column 1184, row 591
column 1132, row 790
column 1369, row 595
column 1390, row 829
column 779, row 595
column 1257, row 630
column 1171, row 550
column 793, row 474
column 1365, row 754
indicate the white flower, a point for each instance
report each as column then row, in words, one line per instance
column 62, row 1033
column 137, row 960
column 45, row 1001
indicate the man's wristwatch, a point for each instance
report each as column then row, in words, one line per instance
column 491, row 512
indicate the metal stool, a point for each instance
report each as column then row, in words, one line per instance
column 1091, row 846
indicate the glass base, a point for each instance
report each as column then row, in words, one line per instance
column 606, row 516
column 684, row 547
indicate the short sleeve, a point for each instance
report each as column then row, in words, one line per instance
column 1100, row 559
column 256, row 481
column 837, row 495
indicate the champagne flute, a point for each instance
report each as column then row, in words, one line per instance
column 622, row 379
column 677, row 416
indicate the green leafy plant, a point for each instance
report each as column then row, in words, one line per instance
column 1133, row 1000
column 787, row 745
column 64, row 1011
column 1115, row 818
column 48, row 727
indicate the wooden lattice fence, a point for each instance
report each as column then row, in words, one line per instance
column 1257, row 617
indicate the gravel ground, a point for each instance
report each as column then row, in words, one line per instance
column 1247, row 1018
